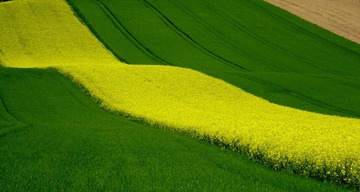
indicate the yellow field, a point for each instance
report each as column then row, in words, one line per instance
column 46, row 34
column 41, row 33
column 193, row 102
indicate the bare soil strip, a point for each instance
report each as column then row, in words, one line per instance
column 338, row 16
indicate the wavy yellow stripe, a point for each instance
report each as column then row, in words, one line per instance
column 193, row 102
column 42, row 33
column 46, row 34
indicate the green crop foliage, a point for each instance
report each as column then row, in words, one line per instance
column 39, row 121
column 54, row 137
column 250, row 44
column 312, row 144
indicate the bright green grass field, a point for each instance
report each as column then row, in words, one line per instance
column 53, row 137
column 249, row 43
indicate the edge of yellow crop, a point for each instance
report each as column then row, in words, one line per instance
column 44, row 33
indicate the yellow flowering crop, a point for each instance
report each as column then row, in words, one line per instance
column 193, row 102
column 41, row 33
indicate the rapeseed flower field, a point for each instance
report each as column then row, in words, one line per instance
column 46, row 34
column 31, row 36
column 189, row 101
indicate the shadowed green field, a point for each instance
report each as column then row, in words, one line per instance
column 251, row 44
column 54, row 137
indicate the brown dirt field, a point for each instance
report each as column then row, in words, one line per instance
column 339, row 16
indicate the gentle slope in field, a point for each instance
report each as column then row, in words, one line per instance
column 339, row 16
column 261, row 49
column 65, row 141
column 183, row 99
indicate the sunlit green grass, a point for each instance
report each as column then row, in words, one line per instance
column 54, row 137
column 251, row 44
column 61, row 140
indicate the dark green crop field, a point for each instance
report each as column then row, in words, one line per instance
column 53, row 137
column 249, row 43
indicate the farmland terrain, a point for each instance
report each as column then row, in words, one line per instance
column 54, row 137
column 339, row 16
column 48, row 120
column 250, row 44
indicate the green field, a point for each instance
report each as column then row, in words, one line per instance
column 54, row 137
column 250, row 44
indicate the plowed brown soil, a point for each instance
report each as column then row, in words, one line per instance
column 339, row 16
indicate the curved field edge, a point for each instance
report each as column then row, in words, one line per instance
column 284, row 138
column 44, row 39
column 216, row 39
column 190, row 107
column 340, row 17
column 67, row 142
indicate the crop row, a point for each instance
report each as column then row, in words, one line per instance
column 312, row 144
column 182, row 99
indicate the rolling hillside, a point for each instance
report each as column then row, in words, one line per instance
column 250, row 44
column 339, row 16
column 53, row 136
column 59, row 137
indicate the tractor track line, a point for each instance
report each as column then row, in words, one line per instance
column 189, row 39
column 305, row 31
column 128, row 35
column 257, row 37
column 304, row 97
column 13, row 117
column 218, row 34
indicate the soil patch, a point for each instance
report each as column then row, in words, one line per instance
column 338, row 16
